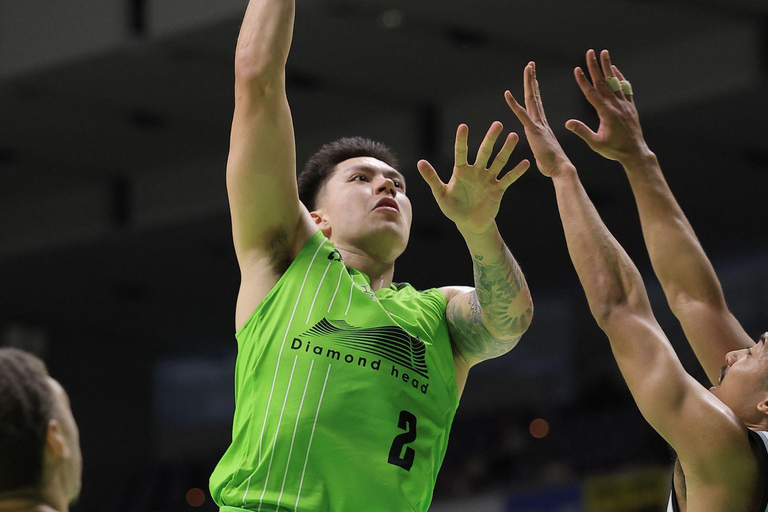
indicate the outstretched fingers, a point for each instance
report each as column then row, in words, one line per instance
column 582, row 130
column 430, row 176
column 512, row 176
column 503, row 157
column 590, row 93
column 461, row 148
column 627, row 94
column 532, row 104
column 537, row 94
column 486, row 147
column 605, row 61
column 517, row 109
column 598, row 77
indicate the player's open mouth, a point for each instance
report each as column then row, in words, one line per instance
column 722, row 373
column 387, row 204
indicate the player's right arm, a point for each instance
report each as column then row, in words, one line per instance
column 686, row 274
column 269, row 224
column 702, row 429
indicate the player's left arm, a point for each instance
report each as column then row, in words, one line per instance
column 488, row 320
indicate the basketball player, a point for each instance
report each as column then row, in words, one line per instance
column 686, row 274
column 347, row 383
column 719, row 434
column 40, row 460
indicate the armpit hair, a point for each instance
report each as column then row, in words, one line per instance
column 279, row 250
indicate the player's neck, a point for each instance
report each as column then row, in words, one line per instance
column 379, row 272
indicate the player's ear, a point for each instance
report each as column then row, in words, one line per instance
column 763, row 406
column 321, row 222
column 54, row 440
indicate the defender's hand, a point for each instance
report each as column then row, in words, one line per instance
column 472, row 196
column 550, row 157
column 619, row 136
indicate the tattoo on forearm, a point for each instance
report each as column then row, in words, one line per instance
column 490, row 323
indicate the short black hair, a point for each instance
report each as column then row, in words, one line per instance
column 26, row 407
column 320, row 165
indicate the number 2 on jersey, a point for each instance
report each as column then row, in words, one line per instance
column 397, row 457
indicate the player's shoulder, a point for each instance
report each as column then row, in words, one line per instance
column 721, row 449
column 452, row 291
column 408, row 292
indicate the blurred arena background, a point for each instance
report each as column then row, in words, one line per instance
column 116, row 262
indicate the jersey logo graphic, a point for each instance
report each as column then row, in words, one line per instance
column 391, row 342
column 334, row 255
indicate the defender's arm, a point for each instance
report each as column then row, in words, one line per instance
column 702, row 429
column 686, row 274
column 697, row 425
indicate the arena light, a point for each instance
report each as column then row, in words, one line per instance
column 195, row 497
column 539, row 428
column 391, row 18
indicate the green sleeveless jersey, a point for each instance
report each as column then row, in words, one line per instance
column 344, row 397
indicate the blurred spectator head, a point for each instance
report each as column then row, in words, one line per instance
column 40, row 457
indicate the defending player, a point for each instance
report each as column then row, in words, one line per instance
column 686, row 274
column 347, row 384
column 40, row 460
column 718, row 434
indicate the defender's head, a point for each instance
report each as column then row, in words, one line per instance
column 357, row 196
column 39, row 440
column 744, row 383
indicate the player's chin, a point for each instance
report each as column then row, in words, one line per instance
column 394, row 236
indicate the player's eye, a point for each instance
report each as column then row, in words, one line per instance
column 398, row 183
column 359, row 177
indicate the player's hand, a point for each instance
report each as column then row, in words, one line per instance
column 549, row 155
column 619, row 136
column 472, row 196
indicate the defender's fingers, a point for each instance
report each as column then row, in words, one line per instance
column 594, row 68
column 461, row 149
column 503, row 157
column 590, row 93
column 486, row 147
column 514, row 174
column 598, row 78
column 627, row 93
column 537, row 95
column 430, row 176
column 605, row 61
column 518, row 110
column 582, row 131
column 530, row 93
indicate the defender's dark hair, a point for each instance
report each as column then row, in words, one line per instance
column 320, row 165
column 26, row 406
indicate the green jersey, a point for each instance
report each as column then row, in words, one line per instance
column 344, row 397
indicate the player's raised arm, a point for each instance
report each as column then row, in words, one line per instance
column 686, row 274
column 488, row 320
column 267, row 218
column 677, row 406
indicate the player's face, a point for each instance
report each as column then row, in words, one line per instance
column 363, row 205
column 743, row 383
column 70, row 462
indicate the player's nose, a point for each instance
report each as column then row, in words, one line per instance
column 734, row 355
column 386, row 185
